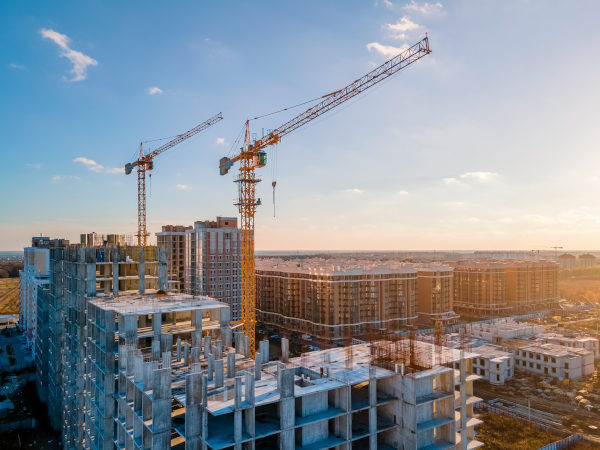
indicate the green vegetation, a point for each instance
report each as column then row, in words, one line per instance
column 501, row 432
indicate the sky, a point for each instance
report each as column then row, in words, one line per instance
column 489, row 142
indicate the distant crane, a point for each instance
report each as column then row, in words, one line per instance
column 556, row 249
column 146, row 162
column 252, row 156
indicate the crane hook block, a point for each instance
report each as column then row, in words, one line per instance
column 224, row 165
column 260, row 160
column 128, row 168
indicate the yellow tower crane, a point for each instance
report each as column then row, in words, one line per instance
column 252, row 155
column 146, row 162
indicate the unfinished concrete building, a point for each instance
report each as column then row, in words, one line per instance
column 172, row 238
column 435, row 294
column 553, row 360
column 337, row 298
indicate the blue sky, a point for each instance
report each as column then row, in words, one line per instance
column 489, row 142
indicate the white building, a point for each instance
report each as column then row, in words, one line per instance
column 554, row 360
column 493, row 364
column 34, row 274
column 212, row 262
column 586, row 343
column 502, row 330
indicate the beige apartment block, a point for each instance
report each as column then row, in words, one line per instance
column 497, row 288
column 435, row 294
column 335, row 298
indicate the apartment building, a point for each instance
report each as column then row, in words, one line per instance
column 335, row 299
column 554, row 360
column 172, row 238
column 567, row 261
column 587, row 260
column 435, row 294
column 571, row 341
column 493, row 364
column 212, row 262
column 498, row 288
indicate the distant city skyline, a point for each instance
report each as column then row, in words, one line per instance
column 488, row 143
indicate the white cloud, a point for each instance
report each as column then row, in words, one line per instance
column 221, row 141
column 427, row 9
column 402, row 193
column 80, row 61
column 388, row 4
column 56, row 178
column 154, row 90
column 388, row 51
column 479, row 176
column 450, row 180
column 182, row 187
column 34, row 165
column 353, row 191
column 400, row 28
column 17, row 66
column 95, row 167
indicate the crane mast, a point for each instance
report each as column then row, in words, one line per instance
column 252, row 156
column 146, row 162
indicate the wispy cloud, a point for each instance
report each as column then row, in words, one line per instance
column 16, row 66
column 388, row 4
column 399, row 29
column 402, row 193
column 95, row 167
column 80, row 61
column 451, row 180
column 33, row 165
column 353, row 191
column 483, row 177
column 221, row 141
column 388, row 51
column 426, row 9
column 154, row 90
column 58, row 178
column 182, row 187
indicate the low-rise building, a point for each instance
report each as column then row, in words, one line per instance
column 583, row 342
column 554, row 361
column 501, row 330
column 493, row 364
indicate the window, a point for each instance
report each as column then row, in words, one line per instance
column 497, row 377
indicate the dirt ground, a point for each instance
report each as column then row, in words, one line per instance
column 9, row 295
column 553, row 397
column 501, row 432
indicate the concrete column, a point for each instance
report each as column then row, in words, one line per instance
column 210, row 366
column 178, row 349
column 193, row 411
column 226, row 336
column 166, row 342
column 246, row 346
column 218, row 373
column 230, row 365
column 156, row 324
column 162, row 269
column 206, row 346
column 464, row 436
column 155, row 350
column 115, row 271
column 90, row 278
column 249, row 413
column 285, row 350
column 218, row 349
column 197, row 319
column 285, row 381
column 372, row 408
column 264, row 350
column 142, row 270
column 197, row 339
column 161, row 408
column 257, row 365
column 186, row 353
column 195, row 354
column 166, row 360
column 237, row 415
column 239, row 342
column 224, row 317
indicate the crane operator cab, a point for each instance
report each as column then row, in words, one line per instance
column 260, row 160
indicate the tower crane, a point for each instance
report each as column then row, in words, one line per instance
column 146, row 162
column 252, row 156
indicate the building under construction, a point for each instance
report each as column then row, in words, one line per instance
column 124, row 365
column 499, row 288
column 335, row 298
